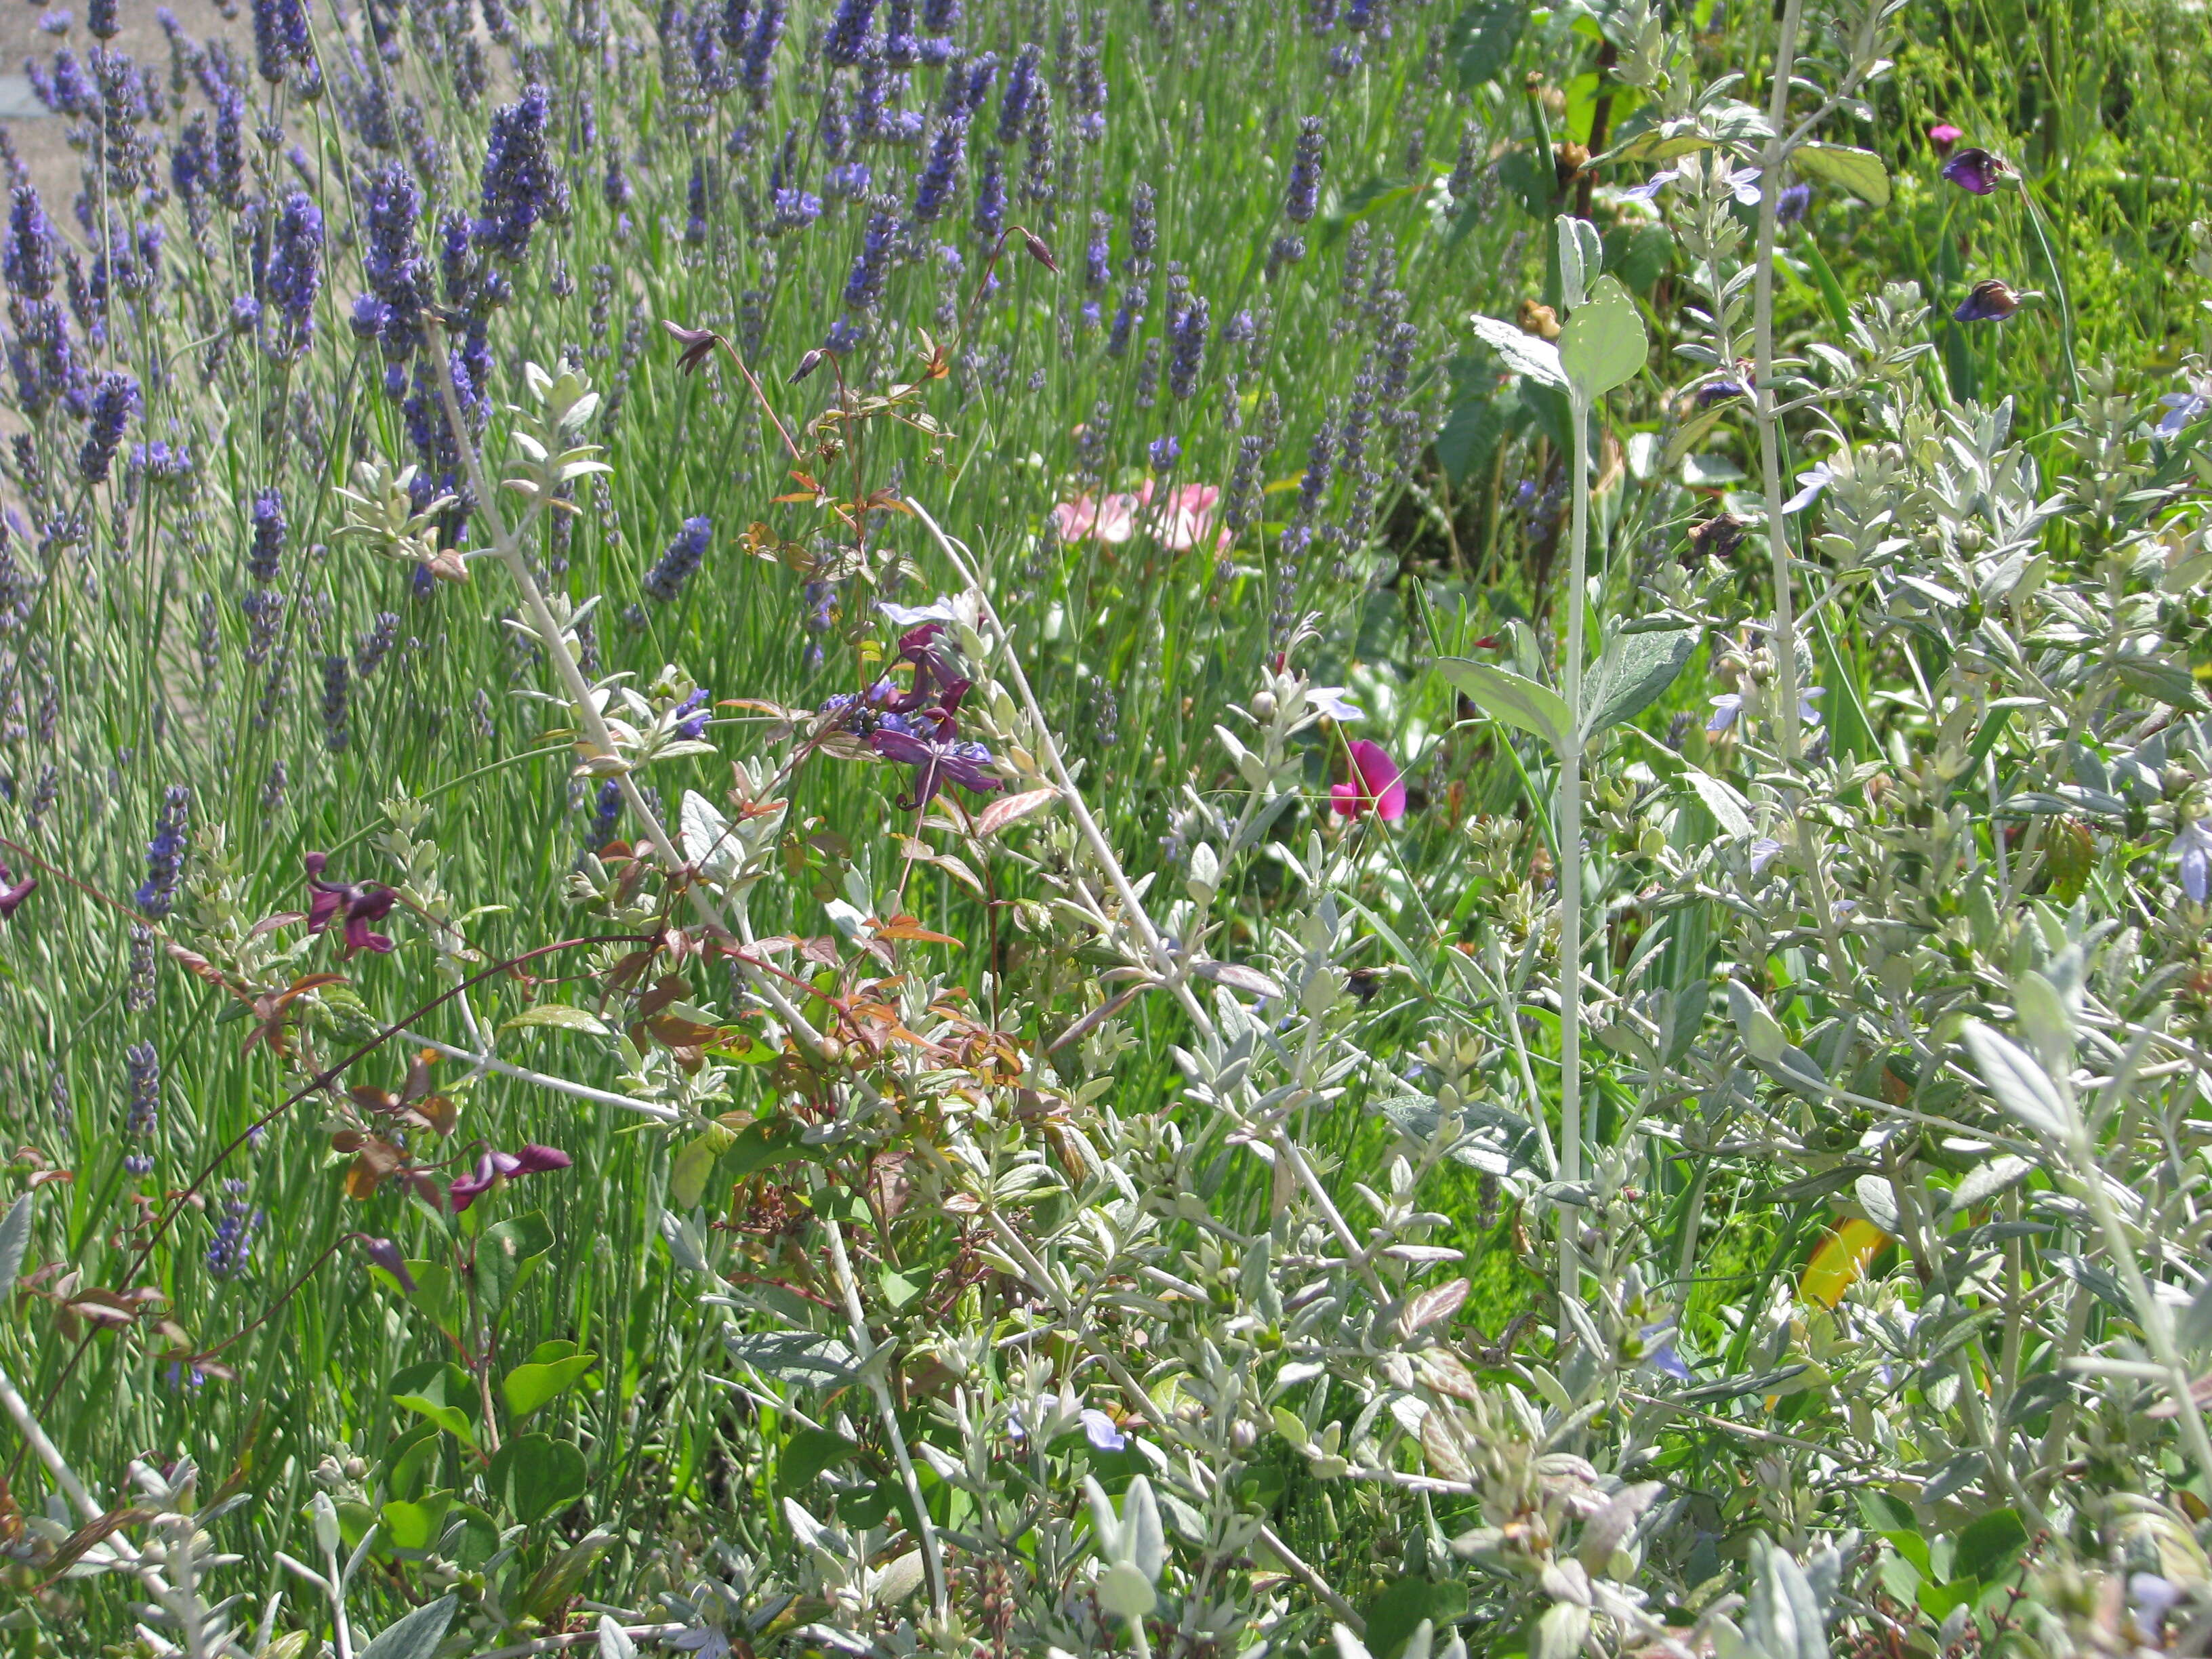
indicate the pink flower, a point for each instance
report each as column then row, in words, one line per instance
column 1943, row 135
column 1183, row 516
column 1113, row 520
column 1379, row 789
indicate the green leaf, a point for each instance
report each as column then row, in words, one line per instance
column 1732, row 812
column 441, row 1393
column 527, row 1387
column 1632, row 674
column 1473, row 432
column 766, row 1143
column 1526, row 355
column 803, row 1358
column 1530, row 179
column 504, row 1255
column 1858, row 171
column 1505, row 696
column 1581, row 256
column 1988, row 1545
column 687, row 1178
column 560, row 1015
column 416, row 1526
column 15, row 1242
column 535, row 1474
column 417, row 1636
column 901, row 1290
column 2017, row 1078
column 1603, row 344
column 1484, row 37
column 1638, row 254
column 809, row 1452
column 1392, row 1616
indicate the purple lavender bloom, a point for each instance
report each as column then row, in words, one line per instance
column 1301, row 196
column 846, row 42
column 1129, row 317
column 264, row 555
column 280, row 37
column 606, row 813
column 162, row 463
column 1097, row 253
column 615, row 186
column 1089, row 95
column 165, row 854
column 1021, row 89
column 849, row 183
column 664, row 581
column 1187, row 331
column 991, row 196
column 736, row 23
column 230, row 148
column 66, row 91
column 519, row 184
column 56, row 23
column 756, row 66
column 937, row 179
column 980, row 73
column 40, row 358
column 1791, row 206
column 1989, row 302
column 192, row 159
column 1165, row 452
column 1144, row 227
column 114, row 400
column 1975, row 171
column 695, row 218
column 831, row 129
column 899, row 46
column 398, row 274
column 232, row 1247
column 846, row 334
column 695, row 715
column 295, row 274
column 27, row 262
column 141, row 1066
column 864, row 287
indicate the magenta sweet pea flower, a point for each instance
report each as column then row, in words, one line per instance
column 14, row 892
column 1944, row 137
column 358, row 902
column 1378, row 788
column 495, row 1166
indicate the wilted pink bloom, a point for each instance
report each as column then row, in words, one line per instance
column 1379, row 788
column 1113, row 520
column 1944, row 136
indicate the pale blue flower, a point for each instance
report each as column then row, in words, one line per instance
column 2193, row 849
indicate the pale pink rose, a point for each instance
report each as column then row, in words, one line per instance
column 1184, row 516
column 1113, row 520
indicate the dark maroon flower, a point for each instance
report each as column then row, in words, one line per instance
column 495, row 1166
column 358, row 903
column 1987, row 303
column 14, row 892
column 1976, row 170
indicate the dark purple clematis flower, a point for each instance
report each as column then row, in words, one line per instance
column 1991, row 301
column 358, row 903
column 1977, row 170
column 932, row 745
column 495, row 1166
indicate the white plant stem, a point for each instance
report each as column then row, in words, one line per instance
column 857, row 1318
column 487, row 1062
column 578, row 689
column 1764, row 402
column 43, row 1448
column 1569, row 818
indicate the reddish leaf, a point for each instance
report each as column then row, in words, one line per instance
column 1000, row 813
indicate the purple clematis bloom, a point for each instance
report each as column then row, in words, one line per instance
column 358, row 903
column 2192, row 847
column 931, row 744
column 495, row 1166
column 1989, row 302
column 1977, row 170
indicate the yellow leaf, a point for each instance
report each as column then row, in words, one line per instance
column 1843, row 1256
